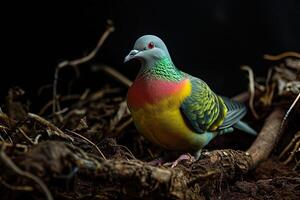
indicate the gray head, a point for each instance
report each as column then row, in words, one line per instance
column 148, row 49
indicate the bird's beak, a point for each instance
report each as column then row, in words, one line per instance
column 131, row 55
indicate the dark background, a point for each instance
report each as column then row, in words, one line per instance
column 209, row 39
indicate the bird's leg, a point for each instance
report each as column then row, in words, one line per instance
column 197, row 154
column 182, row 157
column 188, row 157
column 166, row 157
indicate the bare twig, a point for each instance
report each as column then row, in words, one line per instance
column 252, row 90
column 296, row 137
column 282, row 55
column 13, row 187
column 122, row 126
column 126, row 148
column 3, row 127
column 269, row 91
column 25, row 135
column 48, row 124
column 289, row 110
column 87, row 140
column 63, row 98
column 115, row 74
column 296, row 142
column 10, row 164
column 110, row 28
column 21, row 146
column 297, row 164
column 122, row 111
column 55, row 88
column 4, row 118
column 36, row 139
column 79, row 61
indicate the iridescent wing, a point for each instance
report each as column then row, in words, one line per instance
column 206, row 111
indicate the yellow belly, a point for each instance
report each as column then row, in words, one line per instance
column 162, row 122
column 164, row 125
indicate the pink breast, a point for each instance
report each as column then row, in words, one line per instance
column 151, row 91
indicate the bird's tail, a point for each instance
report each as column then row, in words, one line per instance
column 245, row 127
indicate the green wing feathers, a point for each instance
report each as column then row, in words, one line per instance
column 206, row 111
column 203, row 109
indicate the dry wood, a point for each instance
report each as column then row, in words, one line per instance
column 267, row 138
column 10, row 164
column 137, row 179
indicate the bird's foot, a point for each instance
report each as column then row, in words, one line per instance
column 182, row 157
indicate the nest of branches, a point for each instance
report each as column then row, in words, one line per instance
column 84, row 146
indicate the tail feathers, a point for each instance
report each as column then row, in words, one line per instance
column 244, row 127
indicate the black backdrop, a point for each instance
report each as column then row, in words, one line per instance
column 209, row 39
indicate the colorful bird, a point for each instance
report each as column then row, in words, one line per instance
column 174, row 109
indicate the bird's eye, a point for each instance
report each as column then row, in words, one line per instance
column 151, row 45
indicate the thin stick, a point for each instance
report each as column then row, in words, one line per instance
column 1, row 138
column 289, row 110
column 91, row 55
column 50, row 125
column 87, row 140
column 55, row 88
column 297, row 164
column 293, row 141
column 252, row 90
column 281, row 56
column 284, row 121
column 5, row 118
column 115, row 74
column 13, row 187
column 76, row 62
column 8, row 136
column 63, row 98
column 9, row 163
column 126, row 148
column 122, row 126
column 269, row 91
column 36, row 139
column 25, row 135
column 3, row 127
column 21, row 146
column 294, row 150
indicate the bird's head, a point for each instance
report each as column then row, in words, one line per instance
column 148, row 49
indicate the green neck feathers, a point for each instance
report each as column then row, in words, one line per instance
column 162, row 69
